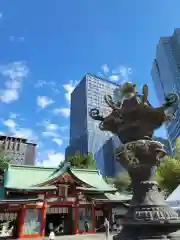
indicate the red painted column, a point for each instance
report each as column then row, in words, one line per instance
column 21, row 221
column 93, row 218
column 76, row 227
column 43, row 223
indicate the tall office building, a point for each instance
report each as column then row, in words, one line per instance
column 85, row 135
column 166, row 77
column 19, row 150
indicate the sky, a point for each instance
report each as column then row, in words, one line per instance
column 47, row 46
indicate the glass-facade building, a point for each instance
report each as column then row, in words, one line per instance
column 166, row 78
column 85, row 135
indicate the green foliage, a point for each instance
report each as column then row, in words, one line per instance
column 122, row 182
column 177, row 156
column 91, row 163
column 168, row 174
column 4, row 158
column 109, row 180
column 82, row 161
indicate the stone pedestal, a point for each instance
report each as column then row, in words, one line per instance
column 148, row 217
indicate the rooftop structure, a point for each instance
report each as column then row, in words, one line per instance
column 68, row 194
column 19, row 149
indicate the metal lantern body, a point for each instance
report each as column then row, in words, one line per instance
column 134, row 121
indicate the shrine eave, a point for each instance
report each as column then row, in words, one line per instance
column 96, row 190
column 106, row 201
column 19, row 201
column 31, row 189
column 121, row 197
column 92, row 179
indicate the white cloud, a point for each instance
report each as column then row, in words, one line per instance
column 13, row 115
column 58, row 141
column 63, row 111
column 20, row 132
column 69, row 89
column 48, row 126
column 9, row 95
column 14, row 74
column 24, row 133
column 54, row 159
column 49, row 134
column 15, row 71
column 63, row 128
column 114, row 78
column 44, row 101
column 10, row 123
column 105, row 68
column 123, row 72
column 51, row 127
column 119, row 74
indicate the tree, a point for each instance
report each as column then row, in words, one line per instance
column 122, row 182
column 82, row 161
column 168, row 174
column 91, row 162
column 177, row 155
column 109, row 180
column 4, row 158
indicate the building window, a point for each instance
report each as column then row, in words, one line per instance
column 8, row 146
column 18, row 146
column 14, row 144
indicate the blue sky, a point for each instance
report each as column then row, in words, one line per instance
column 47, row 46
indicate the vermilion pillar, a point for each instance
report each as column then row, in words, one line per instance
column 93, row 218
column 21, row 221
column 76, row 228
column 43, row 223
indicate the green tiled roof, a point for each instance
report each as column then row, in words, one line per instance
column 18, row 176
column 118, row 196
column 36, row 178
column 92, row 178
column 112, row 197
column 56, row 173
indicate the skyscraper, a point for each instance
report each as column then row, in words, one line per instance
column 85, row 135
column 166, row 77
